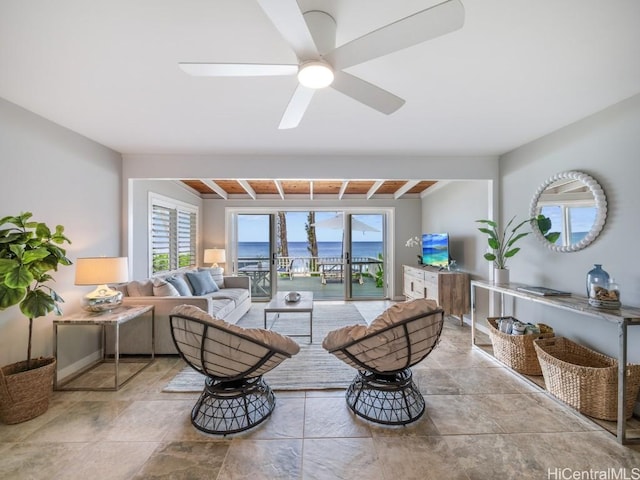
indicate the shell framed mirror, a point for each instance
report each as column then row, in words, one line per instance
column 577, row 207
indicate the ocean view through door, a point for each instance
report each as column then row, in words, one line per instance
column 334, row 254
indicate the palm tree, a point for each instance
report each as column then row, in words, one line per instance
column 312, row 246
column 283, row 245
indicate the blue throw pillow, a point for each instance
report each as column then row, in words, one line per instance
column 180, row 285
column 202, row 283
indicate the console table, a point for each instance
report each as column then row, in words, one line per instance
column 622, row 318
column 114, row 319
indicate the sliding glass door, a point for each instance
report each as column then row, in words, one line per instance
column 365, row 257
column 254, row 252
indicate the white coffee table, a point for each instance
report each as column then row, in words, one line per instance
column 279, row 305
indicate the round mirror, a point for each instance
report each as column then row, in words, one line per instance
column 577, row 207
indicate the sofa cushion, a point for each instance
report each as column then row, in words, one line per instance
column 221, row 308
column 201, row 283
column 180, row 284
column 162, row 288
column 217, row 273
column 238, row 295
column 142, row 288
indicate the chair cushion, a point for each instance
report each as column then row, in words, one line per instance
column 162, row 288
column 180, row 284
column 202, row 283
column 137, row 288
column 221, row 308
column 384, row 352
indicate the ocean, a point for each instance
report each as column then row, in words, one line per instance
column 299, row 249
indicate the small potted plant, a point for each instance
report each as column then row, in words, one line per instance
column 501, row 242
column 28, row 252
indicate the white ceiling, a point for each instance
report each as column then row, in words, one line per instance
column 517, row 70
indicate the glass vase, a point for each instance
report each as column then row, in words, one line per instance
column 596, row 277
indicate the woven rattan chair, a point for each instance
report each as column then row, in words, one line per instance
column 383, row 391
column 235, row 397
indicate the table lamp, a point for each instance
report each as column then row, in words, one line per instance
column 215, row 256
column 100, row 271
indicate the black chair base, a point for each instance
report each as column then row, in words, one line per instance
column 232, row 407
column 387, row 399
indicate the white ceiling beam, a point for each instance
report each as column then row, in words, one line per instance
column 374, row 188
column 310, row 189
column 405, row 188
column 278, row 184
column 247, row 188
column 215, row 187
column 343, row 188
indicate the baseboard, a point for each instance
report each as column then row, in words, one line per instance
column 78, row 366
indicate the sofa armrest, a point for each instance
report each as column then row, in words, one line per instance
column 237, row 282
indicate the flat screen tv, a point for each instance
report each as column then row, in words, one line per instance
column 435, row 249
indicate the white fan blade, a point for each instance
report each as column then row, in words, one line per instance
column 288, row 19
column 296, row 108
column 237, row 69
column 417, row 28
column 365, row 92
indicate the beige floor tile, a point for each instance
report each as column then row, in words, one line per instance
column 263, row 459
column 35, row 461
column 418, row 458
column 330, row 417
column 185, row 460
column 340, row 459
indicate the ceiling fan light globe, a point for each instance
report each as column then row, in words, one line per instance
column 315, row 75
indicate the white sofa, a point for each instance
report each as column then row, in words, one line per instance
column 229, row 302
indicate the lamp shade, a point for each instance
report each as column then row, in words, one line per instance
column 215, row 255
column 101, row 270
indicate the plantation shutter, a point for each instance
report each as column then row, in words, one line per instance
column 172, row 237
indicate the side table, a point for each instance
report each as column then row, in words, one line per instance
column 114, row 318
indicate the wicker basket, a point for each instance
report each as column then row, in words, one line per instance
column 585, row 379
column 25, row 394
column 515, row 351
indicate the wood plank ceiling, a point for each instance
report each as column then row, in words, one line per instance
column 226, row 188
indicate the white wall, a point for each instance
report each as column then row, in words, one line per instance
column 62, row 178
column 605, row 146
column 138, row 214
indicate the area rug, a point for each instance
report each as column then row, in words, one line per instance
column 313, row 368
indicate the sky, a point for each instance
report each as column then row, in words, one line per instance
column 255, row 228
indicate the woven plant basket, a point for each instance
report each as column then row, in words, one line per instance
column 515, row 351
column 25, row 394
column 585, row 379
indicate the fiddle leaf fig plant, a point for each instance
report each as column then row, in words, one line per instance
column 28, row 252
column 501, row 242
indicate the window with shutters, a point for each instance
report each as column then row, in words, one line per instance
column 173, row 233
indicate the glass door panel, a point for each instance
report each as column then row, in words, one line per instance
column 365, row 269
column 254, row 252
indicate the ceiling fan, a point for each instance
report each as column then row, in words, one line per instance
column 320, row 64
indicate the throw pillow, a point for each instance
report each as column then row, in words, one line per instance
column 180, row 285
column 217, row 274
column 137, row 288
column 162, row 288
column 202, row 283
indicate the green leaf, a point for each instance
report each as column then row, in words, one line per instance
column 491, row 233
column 516, row 238
column 8, row 264
column 493, row 243
column 488, row 222
column 511, row 252
column 42, row 231
column 18, row 277
column 552, row 237
column 544, row 223
column 10, row 296
column 33, row 255
column 489, row 256
column 37, row 304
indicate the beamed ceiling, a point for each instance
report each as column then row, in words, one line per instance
column 283, row 189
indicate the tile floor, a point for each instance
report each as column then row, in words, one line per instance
column 481, row 422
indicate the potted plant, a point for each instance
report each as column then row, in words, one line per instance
column 501, row 242
column 28, row 251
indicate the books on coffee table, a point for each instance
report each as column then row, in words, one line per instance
column 543, row 291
